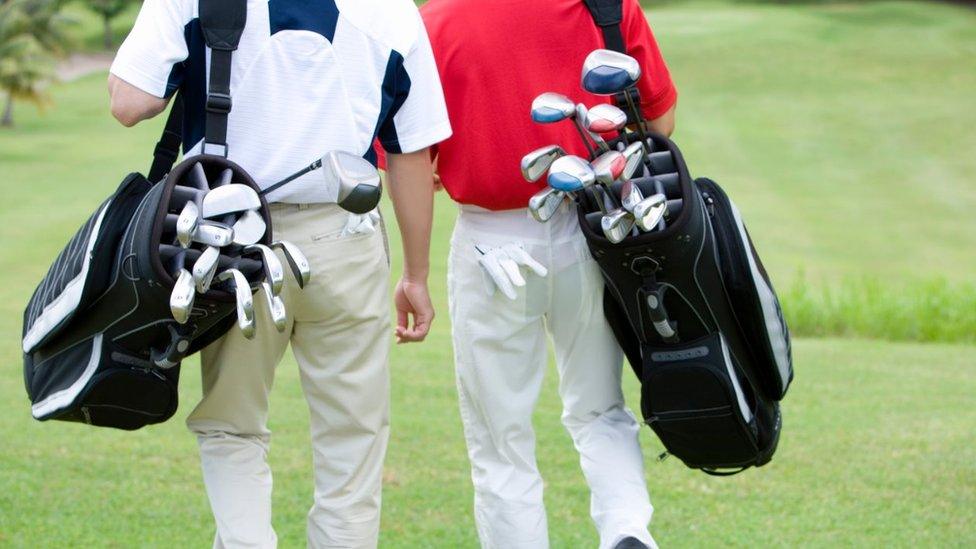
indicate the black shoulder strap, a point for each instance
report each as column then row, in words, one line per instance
column 222, row 22
column 168, row 147
column 608, row 15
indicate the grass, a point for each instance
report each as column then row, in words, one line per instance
column 844, row 133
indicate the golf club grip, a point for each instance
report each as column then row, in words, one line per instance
column 246, row 266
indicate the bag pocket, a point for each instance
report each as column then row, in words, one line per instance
column 694, row 400
column 129, row 397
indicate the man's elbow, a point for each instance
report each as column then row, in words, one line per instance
column 126, row 115
column 130, row 105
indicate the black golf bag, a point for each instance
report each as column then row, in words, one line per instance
column 100, row 343
column 697, row 317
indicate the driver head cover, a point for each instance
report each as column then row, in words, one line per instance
column 356, row 181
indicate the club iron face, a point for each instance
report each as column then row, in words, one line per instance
column 215, row 234
column 243, row 298
column 536, row 163
column 545, row 203
column 634, row 155
column 274, row 272
column 617, row 225
column 297, row 261
column 249, row 228
column 355, row 180
column 650, row 211
column 181, row 299
column 187, row 223
column 607, row 72
column 229, row 199
column 605, row 118
column 570, row 174
column 608, row 167
column 630, row 195
column 205, row 268
column 276, row 306
column 551, row 107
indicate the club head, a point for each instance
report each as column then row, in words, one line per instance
column 570, row 174
column 608, row 167
column 187, row 223
column 205, row 268
column 605, row 118
column 634, row 155
column 650, row 211
column 552, row 107
column 182, row 297
column 275, row 306
column 211, row 233
column 545, row 203
column 536, row 163
column 630, row 195
column 617, row 225
column 355, row 181
column 607, row 72
column 274, row 272
column 249, row 228
column 229, row 199
column 244, row 300
column 296, row 261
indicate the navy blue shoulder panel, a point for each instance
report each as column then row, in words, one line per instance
column 319, row 16
column 190, row 77
column 396, row 89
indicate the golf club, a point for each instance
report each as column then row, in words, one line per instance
column 607, row 72
column 535, row 164
column 243, row 298
column 608, row 167
column 650, row 211
column 229, row 199
column 634, row 154
column 275, row 306
column 545, row 203
column 630, row 195
column 273, row 270
column 211, row 233
column 605, row 118
column 204, row 269
column 187, row 223
column 617, row 225
column 581, row 114
column 355, row 181
column 296, row 261
column 550, row 107
column 181, row 299
column 571, row 174
column 168, row 254
column 249, row 228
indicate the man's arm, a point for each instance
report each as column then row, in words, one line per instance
column 663, row 124
column 130, row 105
column 410, row 183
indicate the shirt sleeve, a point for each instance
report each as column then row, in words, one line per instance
column 658, row 93
column 149, row 56
column 417, row 118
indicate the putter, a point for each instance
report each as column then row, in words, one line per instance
column 650, row 212
column 249, row 228
column 182, row 297
column 244, row 300
column 545, row 203
column 550, row 107
column 205, row 268
column 229, row 199
column 275, row 306
column 617, row 225
column 571, row 174
column 536, row 163
column 273, row 271
column 296, row 261
column 187, row 223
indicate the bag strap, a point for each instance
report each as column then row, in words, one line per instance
column 168, row 148
column 608, row 14
column 222, row 22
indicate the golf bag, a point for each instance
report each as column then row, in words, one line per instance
column 697, row 317
column 100, row 343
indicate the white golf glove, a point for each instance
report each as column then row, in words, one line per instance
column 501, row 268
column 361, row 223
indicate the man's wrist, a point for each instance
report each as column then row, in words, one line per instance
column 416, row 276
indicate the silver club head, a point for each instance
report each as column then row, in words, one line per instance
column 187, row 223
column 276, row 306
column 274, row 272
column 355, row 181
column 182, row 297
column 634, row 155
column 249, row 228
column 229, row 199
column 243, row 298
column 607, row 72
column 581, row 115
column 536, row 163
column 211, row 233
column 205, row 268
column 650, row 211
column 571, row 174
column 552, row 107
column 296, row 261
column 545, row 203
column 630, row 195
column 605, row 118
column 617, row 225
column 608, row 167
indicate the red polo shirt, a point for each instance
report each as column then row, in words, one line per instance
column 494, row 58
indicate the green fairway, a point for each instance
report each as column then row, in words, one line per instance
column 845, row 134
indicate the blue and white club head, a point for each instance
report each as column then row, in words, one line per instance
column 607, row 72
column 571, row 174
column 552, row 107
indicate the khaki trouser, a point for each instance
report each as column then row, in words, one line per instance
column 339, row 331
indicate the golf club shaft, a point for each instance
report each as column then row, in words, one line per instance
column 307, row 169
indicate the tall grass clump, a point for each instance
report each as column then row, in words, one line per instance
column 929, row 310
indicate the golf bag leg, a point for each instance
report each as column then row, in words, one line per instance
column 604, row 431
column 500, row 359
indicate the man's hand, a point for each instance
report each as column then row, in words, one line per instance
column 412, row 299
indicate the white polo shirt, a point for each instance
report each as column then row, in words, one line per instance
column 309, row 76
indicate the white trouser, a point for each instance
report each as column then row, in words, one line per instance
column 339, row 330
column 501, row 354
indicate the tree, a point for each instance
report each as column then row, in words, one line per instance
column 31, row 35
column 108, row 9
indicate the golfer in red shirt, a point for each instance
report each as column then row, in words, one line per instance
column 512, row 280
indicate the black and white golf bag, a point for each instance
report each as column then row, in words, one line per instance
column 697, row 316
